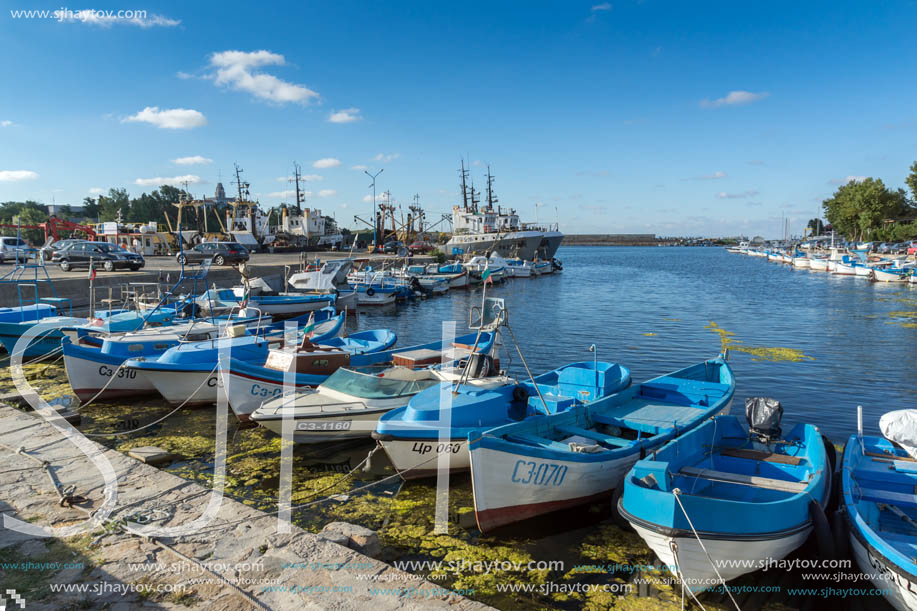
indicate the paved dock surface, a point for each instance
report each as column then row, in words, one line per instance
column 241, row 545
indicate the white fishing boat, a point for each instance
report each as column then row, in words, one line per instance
column 863, row 271
column 519, row 268
column 842, row 268
column 345, row 406
column 818, row 265
column 890, row 274
column 802, row 262
column 479, row 264
column 542, row 267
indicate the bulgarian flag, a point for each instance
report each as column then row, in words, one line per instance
column 309, row 329
column 92, row 271
column 486, row 276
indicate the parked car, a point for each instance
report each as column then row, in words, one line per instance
column 420, row 247
column 47, row 251
column 912, row 248
column 103, row 255
column 393, row 247
column 222, row 253
column 11, row 248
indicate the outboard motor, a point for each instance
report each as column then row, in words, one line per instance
column 763, row 415
column 481, row 366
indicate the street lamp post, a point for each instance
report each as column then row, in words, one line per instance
column 373, row 215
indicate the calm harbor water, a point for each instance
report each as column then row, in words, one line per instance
column 821, row 344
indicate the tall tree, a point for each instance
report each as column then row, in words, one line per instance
column 117, row 201
column 816, row 227
column 911, row 181
column 859, row 210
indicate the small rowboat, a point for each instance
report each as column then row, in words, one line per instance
column 890, row 274
column 802, row 262
column 818, row 265
column 880, row 515
column 724, row 491
column 581, row 455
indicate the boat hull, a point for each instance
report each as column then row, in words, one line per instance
column 191, row 388
column 332, row 427
column 885, row 276
column 247, row 390
column 729, row 554
column 802, row 263
column 842, row 269
column 512, row 487
column 818, row 265
column 863, row 271
column 89, row 372
column 414, row 458
column 899, row 590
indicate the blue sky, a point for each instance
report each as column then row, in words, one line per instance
column 673, row 118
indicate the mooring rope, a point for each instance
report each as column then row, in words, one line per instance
column 676, row 493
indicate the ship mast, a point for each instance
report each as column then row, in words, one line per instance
column 300, row 196
column 464, row 186
column 491, row 198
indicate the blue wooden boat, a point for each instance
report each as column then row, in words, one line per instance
column 188, row 373
column 485, row 401
column 879, row 481
column 580, row 455
column 722, row 490
column 278, row 306
column 248, row 384
column 93, row 361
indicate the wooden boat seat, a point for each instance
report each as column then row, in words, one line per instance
column 539, row 441
column 744, row 480
column 761, row 455
column 884, row 496
column 646, row 417
column 595, row 436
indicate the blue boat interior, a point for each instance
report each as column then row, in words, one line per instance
column 576, row 383
column 659, row 406
column 719, row 460
column 880, row 481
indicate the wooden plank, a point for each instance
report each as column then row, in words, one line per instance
column 890, row 456
column 761, row 455
column 884, row 496
column 596, row 436
column 745, row 480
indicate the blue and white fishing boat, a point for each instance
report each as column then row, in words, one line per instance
column 482, row 402
column 879, row 478
column 720, row 501
column 581, row 454
column 94, row 364
column 188, row 373
column 281, row 306
column 519, row 268
column 540, row 268
column 248, row 384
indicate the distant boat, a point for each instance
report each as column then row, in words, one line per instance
column 723, row 491
column 818, row 264
column 802, row 262
column 542, row 267
column 519, row 268
column 545, row 464
column 279, row 306
column 880, row 515
column 890, row 274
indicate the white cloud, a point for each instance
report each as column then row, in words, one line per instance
column 715, row 176
column 17, row 175
column 477, row 162
column 175, row 181
column 236, row 70
column 734, row 98
column 359, row 167
column 168, row 118
column 327, row 193
column 6, row 123
column 348, row 115
column 846, row 179
column 384, row 157
column 605, row 6
column 106, row 19
column 369, row 198
column 287, row 194
column 193, row 160
column 742, row 195
column 327, row 162
column 344, row 206
column 96, row 190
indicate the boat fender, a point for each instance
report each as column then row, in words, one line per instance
column 839, row 532
column 830, row 452
column 619, row 520
column 370, row 292
column 520, row 394
column 822, row 532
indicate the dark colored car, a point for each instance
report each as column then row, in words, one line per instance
column 222, row 253
column 103, row 255
column 420, row 247
column 393, row 247
column 47, row 251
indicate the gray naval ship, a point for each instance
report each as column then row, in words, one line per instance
column 490, row 228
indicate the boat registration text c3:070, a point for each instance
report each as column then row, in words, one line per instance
column 538, row 474
column 328, row 425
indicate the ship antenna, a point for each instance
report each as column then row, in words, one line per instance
column 464, row 186
column 491, row 198
column 300, row 196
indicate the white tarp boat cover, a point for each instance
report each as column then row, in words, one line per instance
column 900, row 426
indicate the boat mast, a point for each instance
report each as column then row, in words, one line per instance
column 464, row 186
column 300, row 196
column 491, row 198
